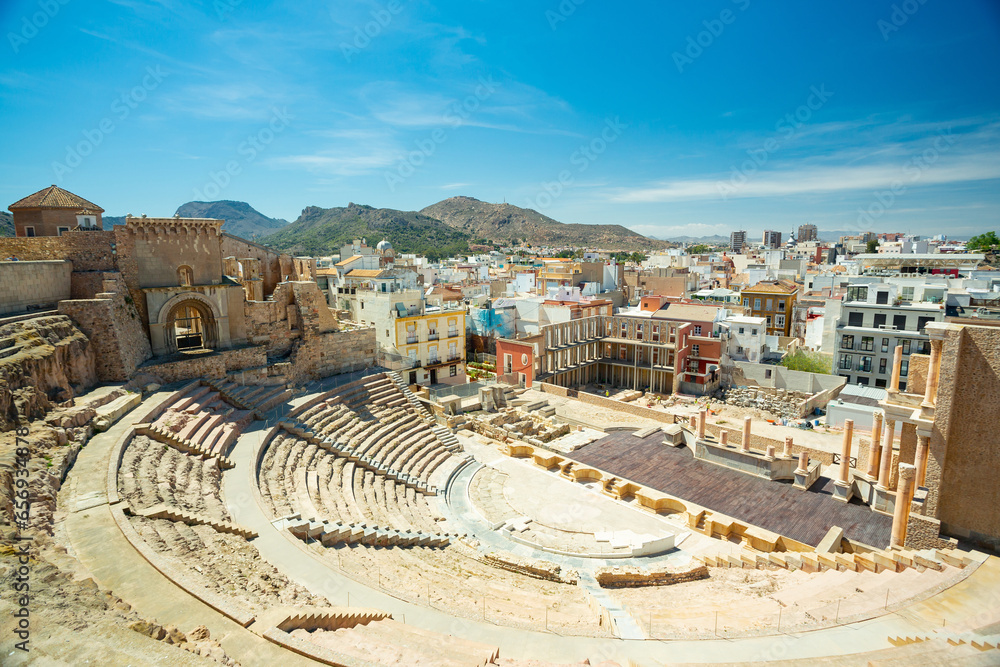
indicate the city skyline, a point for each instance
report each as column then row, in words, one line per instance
column 878, row 117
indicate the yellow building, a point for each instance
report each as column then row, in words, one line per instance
column 435, row 344
column 773, row 300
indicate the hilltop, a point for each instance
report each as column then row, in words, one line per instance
column 6, row 224
column 322, row 231
column 500, row 223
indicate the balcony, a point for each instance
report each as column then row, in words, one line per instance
column 411, row 340
column 454, row 358
column 453, row 333
column 433, row 336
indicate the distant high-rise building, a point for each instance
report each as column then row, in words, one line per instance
column 737, row 240
column 772, row 239
column 808, row 233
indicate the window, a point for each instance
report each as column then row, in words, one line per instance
column 906, row 347
column 907, row 294
column 862, row 380
column 29, row 231
column 697, row 330
column 753, row 332
column 746, row 300
column 621, row 352
column 508, row 363
column 845, row 361
column 921, row 347
column 61, row 230
column 656, row 356
column 847, row 343
column 741, row 329
column 880, row 383
column 923, row 322
column 882, row 365
column 882, row 296
column 879, row 320
column 865, row 365
column 770, row 304
column 867, row 343
column 779, row 321
column 855, row 319
column 624, row 330
column 638, row 332
column 656, row 333
column 885, row 345
column 857, row 293
column 781, row 306
column 695, row 352
column 904, row 368
column 768, row 320
column 185, row 275
column 899, row 321
column 453, row 371
column 756, row 304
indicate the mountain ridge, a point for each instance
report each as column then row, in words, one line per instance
column 503, row 222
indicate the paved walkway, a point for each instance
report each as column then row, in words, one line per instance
column 100, row 546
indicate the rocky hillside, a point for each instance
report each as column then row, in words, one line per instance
column 6, row 224
column 241, row 218
column 322, row 231
column 503, row 222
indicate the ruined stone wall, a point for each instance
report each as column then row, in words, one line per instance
column 43, row 361
column 89, row 251
column 33, row 284
column 269, row 324
column 916, row 377
column 585, row 397
column 112, row 323
column 922, row 532
column 323, row 355
column 314, row 311
column 965, row 444
column 630, row 577
column 270, row 267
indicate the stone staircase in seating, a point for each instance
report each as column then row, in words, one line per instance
column 334, row 533
column 975, row 641
column 875, row 561
column 410, row 397
column 191, row 519
column 184, row 445
column 258, row 399
column 339, row 449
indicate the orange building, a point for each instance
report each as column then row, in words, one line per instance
column 54, row 211
column 773, row 300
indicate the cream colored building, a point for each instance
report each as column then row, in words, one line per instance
column 434, row 342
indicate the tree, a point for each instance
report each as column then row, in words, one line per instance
column 637, row 257
column 985, row 241
column 872, row 247
column 810, row 362
column 699, row 249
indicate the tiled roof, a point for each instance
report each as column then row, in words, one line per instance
column 686, row 313
column 774, row 287
column 348, row 260
column 364, row 273
column 55, row 197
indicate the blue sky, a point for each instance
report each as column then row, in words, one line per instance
column 670, row 118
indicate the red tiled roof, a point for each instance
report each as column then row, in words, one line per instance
column 774, row 287
column 55, row 197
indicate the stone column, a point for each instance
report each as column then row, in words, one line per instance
column 845, row 451
column 724, row 437
column 746, row 433
column 770, row 451
column 788, row 448
column 933, row 375
column 693, row 423
column 901, row 512
column 884, row 471
column 897, row 366
column 702, row 418
column 803, row 463
column 873, row 455
column 923, row 450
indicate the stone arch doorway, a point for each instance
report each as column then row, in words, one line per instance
column 190, row 325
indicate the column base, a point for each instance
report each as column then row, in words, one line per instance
column 843, row 491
